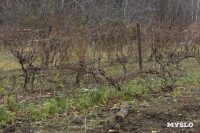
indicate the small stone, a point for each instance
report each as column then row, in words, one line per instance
column 111, row 131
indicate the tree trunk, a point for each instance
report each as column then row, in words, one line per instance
column 192, row 10
column 197, row 11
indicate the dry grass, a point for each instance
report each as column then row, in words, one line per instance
column 7, row 61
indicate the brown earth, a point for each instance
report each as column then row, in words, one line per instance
column 146, row 119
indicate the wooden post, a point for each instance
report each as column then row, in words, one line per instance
column 139, row 46
column 48, row 48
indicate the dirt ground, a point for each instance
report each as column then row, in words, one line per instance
column 151, row 117
column 156, row 121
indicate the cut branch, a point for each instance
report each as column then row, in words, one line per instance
column 119, row 117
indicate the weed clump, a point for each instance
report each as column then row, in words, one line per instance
column 6, row 116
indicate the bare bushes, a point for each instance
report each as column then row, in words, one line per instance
column 105, row 51
column 170, row 45
column 33, row 51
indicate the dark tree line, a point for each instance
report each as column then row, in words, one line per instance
column 24, row 11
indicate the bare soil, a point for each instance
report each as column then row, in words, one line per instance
column 153, row 117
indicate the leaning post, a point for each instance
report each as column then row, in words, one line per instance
column 139, row 46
